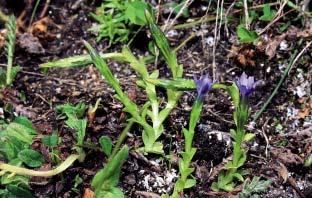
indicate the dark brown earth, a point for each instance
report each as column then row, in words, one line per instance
column 273, row 146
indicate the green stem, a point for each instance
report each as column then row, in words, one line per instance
column 121, row 139
column 33, row 13
column 11, row 37
column 80, row 60
column 24, row 171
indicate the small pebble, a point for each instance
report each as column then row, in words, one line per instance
column 210, row 41
column 283, row 45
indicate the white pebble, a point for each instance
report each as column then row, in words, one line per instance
column 283, row 45
column 210, row 41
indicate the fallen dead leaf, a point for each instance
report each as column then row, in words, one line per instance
column 306, row 110
column 88, row 193
column 272, row 45
column 3, row 33
column 41, row 28
column 244, row 55
column 293, row 32
column 283, row 172
column 144, row 194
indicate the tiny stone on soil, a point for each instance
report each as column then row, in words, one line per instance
column 172, row 33
column 154, row 182
column 210, row 41
column 283, row 45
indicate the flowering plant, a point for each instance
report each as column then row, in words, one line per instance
column 240, row 92
column 203, row 85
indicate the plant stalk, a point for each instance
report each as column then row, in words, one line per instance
column 24, row 171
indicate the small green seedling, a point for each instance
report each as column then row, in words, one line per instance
column 16, row 138
column 245, row 35
column 239, row 91
column 268, row 14
column 116, row 19
column 204, row 84
column 176, row 7
column 106, row 180
column 6, row 77
column 75, row 121
column 51, row 141
column 253, row 188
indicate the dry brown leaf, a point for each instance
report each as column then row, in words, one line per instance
column 88, row 193
column 3, row 33
column 305, row 33
column 283, row 172
column 272, row 45
column 246, row 56
column 41, row 28
column 233, row 51
column 306, row 110
column 145, row 194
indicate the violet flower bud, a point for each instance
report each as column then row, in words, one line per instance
column 247, row 85
column 203, row 85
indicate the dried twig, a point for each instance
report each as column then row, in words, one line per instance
column 185, row 5
column 45, row 8
column 246, row 14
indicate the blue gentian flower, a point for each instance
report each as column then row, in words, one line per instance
column 247, row 85
column 203, row 85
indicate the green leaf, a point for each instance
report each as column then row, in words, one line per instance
column 135, row 64
column 31, row 158
column 246, row 36
column 17, row 191
column 214, row 187
column 157, row 148
column 111, row 193
column 176, row 7
column 249, row 136
column 234, row 93
column 3, row 76
column 15, row 180
column 308, row 161
column 268, row 14
column 10, row 146
column 242, row 160
column 233, row 134
column 108, row 177
column 135, row 12
column 163, row 46
column 238, row 176
column 21, row 130
column 79, row 60
column 253, row 187
column 26, row 123
column 106, row 144
column 80, row 126
column 189, row 183
column 50, row 140
column 101, row 65
column 68, row 109
column 178, row 84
